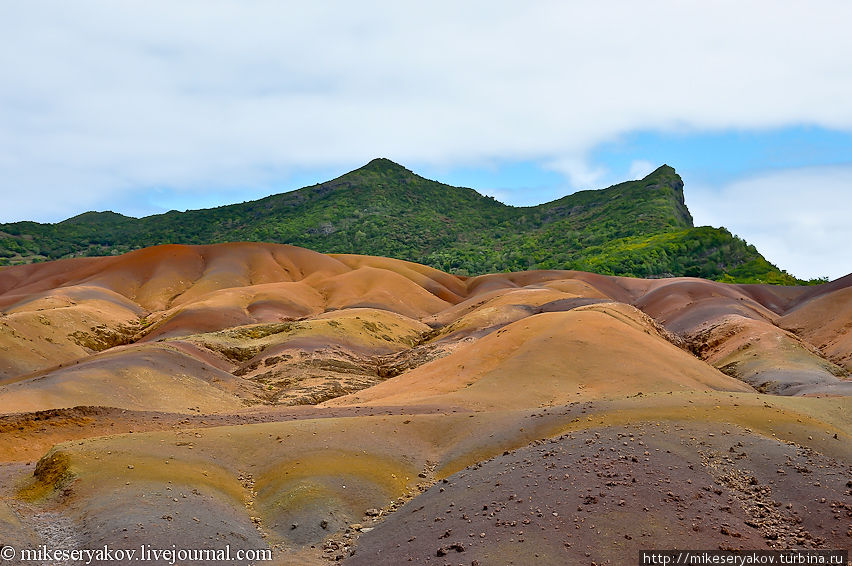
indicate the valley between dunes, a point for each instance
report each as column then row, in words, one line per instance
column 365, row 410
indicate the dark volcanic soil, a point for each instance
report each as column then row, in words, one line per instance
column 599, row 497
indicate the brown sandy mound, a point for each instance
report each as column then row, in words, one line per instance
column 767, row 357
column 777, row 298
column 309, row 361
column 681, row 305
column 97, row 305
column 602, row 495
column 491, row 310
column 552, row 358
column 219, row 310
column 498, row 290
column 40, row 331
column 826, row 322
column 151, row 377
column 28, row 436
column 621, row 289
column 379, row 288
column 160, row 277
column 733, row 327
column 446, row 287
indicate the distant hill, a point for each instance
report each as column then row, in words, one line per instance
column 637, row 228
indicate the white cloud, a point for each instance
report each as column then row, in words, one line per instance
column 497, row 194
column 102, row 101
column 580, row 174
column 640, row 168
column 798, row 218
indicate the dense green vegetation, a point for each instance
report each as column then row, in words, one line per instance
column 638, row 228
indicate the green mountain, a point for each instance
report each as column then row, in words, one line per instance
column 638, row 228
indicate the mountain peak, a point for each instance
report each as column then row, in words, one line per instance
column 663, row 171
column 383, row 165
column 666, row 177
column 94, row 217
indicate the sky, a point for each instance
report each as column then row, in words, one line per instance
column 141, row 107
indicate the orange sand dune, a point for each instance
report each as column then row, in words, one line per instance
column 495, row 297
column 47, row 328
column 379, row 288
column 777, row 298
column 682, row 304
column 449, row 288
column 767, row 357
column 826, row 322
column 616, row 288
column 146, row 377
column 61, row 312
column 237, row 306
column 552, row 358
column 365, row 330
column 160, row 276
column 493, row 309
column 812, row 292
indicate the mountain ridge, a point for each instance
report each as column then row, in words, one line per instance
column 371, row 165
column 637, row 228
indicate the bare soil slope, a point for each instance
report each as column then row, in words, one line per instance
column 351, row 408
